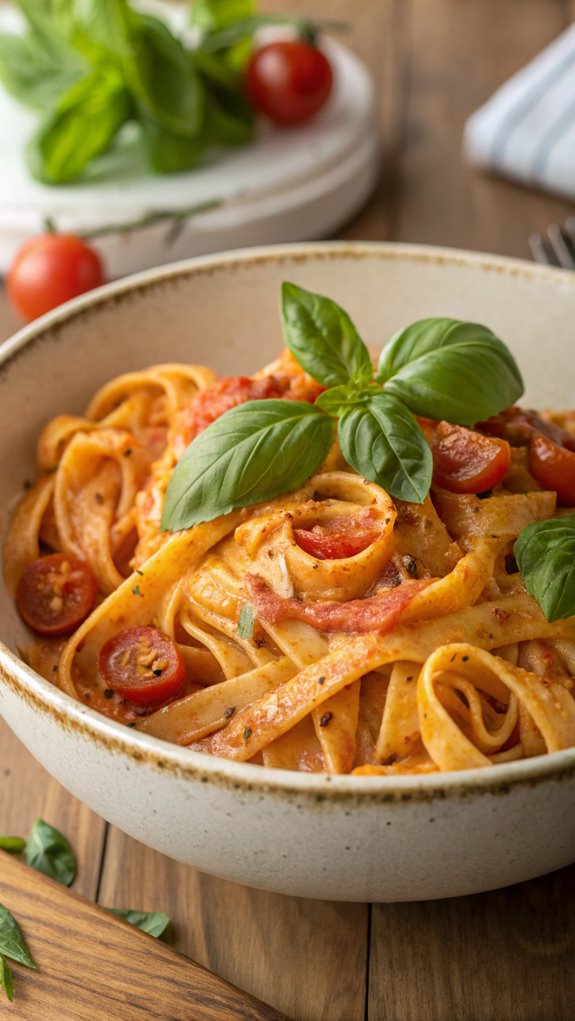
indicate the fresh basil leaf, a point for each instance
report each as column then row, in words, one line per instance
column 384, row 443
column 64, row 146
column 212, row 15
column 545, row 554
column 229, row 118
column 154, row 923
column 169, row 153
column 245, row 628
column 33, row 74
column 6, row 979
column 446, row 368
column 161, row 77
column 251, row 453
column 338, row 399
column 12, row 942
column 323, row 339
column 13, row 845
column 49, row 852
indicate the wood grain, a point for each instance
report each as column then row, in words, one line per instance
column 503, row 956
column 291, row 950
column 96, row 966
column 27, row 791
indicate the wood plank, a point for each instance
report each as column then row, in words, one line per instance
column 502, row 956
column 306, row 958
column 94, row 965
column 27, row 791
column 455, row 56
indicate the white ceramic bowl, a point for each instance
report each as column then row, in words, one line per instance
column 346, row 838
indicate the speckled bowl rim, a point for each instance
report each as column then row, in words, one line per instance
column 77, row 718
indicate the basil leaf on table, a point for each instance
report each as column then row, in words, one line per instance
column 84, row 125
column 251, row 453
column 6, row 979
column 446, row 368
column 545, row 554
column 384, row 443
column 49, row 852
column 323, row 339
column 13, row 845
column 154, row 923
column 12, row 942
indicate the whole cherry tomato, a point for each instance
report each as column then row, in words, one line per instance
column 464, row 461
column 289, row 81
column 56, row 593
column 142, row 665
column 554, row 468
column 49, row 270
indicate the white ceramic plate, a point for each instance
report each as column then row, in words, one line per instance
column 346, row 838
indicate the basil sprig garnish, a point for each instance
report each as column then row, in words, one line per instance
column 382, row 440
column 445, row 368
column 254, row 452
column 545, row 555
column 442, row 368
column 323, row 339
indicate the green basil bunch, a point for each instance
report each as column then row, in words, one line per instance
column 92, row 66
column 442, row 368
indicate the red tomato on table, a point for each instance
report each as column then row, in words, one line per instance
column 142, row 665
column 56, row 593
column 289, row 81
column 49, row 270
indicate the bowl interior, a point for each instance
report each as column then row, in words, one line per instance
column 224, row 311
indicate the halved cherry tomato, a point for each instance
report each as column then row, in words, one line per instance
column 56, row 593
column 142, row 665
column 289, row 81
column 554, row 468
column 49, row 270
column 331, row 546
column 467, row 462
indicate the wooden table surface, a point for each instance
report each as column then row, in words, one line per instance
column 503, row 956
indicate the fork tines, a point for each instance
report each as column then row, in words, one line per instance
column 557, row 246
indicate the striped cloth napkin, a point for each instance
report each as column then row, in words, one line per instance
column 527, row 129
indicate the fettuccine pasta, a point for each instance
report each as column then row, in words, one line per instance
column 334, row 629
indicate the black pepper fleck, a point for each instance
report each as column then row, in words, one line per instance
column 326, row 719
column 247, row 733
column 108, row 693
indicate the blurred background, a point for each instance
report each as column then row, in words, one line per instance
column 432, row 64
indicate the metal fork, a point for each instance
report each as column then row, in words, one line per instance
column 557, row 246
